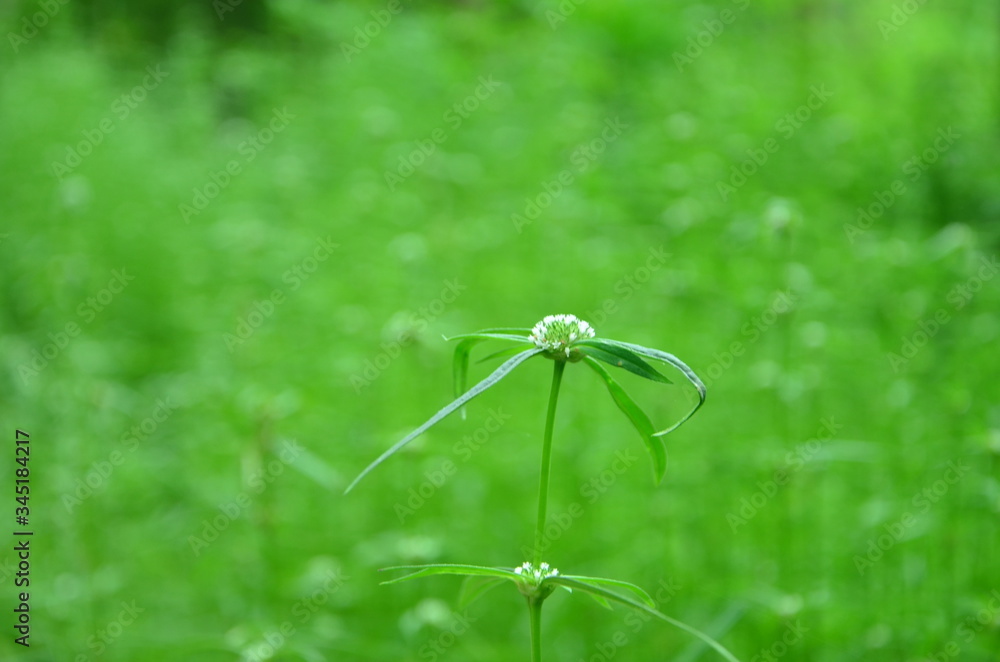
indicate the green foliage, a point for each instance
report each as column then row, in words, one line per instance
column 448, row 409
column 562, row 338
column 637, row 417
column 839, row 398
column 620, row 355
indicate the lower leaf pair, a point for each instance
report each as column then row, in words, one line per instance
column 537, row 584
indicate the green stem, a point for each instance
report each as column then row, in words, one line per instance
column 543, row 480
column 535, row 614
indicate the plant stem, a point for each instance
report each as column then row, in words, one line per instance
column 543, row 480
column 535, row 614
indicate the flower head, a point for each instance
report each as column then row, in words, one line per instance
column 555, row 333
column 536, row 575
column 532, row 579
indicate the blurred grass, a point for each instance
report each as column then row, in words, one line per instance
column 163, row 337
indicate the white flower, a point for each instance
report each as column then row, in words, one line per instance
column 534, row 575
column 556, row 332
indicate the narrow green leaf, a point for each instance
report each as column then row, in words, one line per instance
column 620, row 357
column 625, row 600
column 637, row 416
column 510, row 351
column 451, row 569
column 470, row 340
column 502, row 331
column 679, row 365
column 474, row 587
column 601, row 581
column 494, row 377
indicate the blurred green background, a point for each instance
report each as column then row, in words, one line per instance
column 233, row 235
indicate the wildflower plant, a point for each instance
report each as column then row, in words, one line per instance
column 563, row 339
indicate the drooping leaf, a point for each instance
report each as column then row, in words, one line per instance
column 615, row 583
column 470, row 340
column 451, row 569
column 620, row 357
column 494, row 377
column 640, row 421
column 607, row 594
column 680, row 366
column 593, row 596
